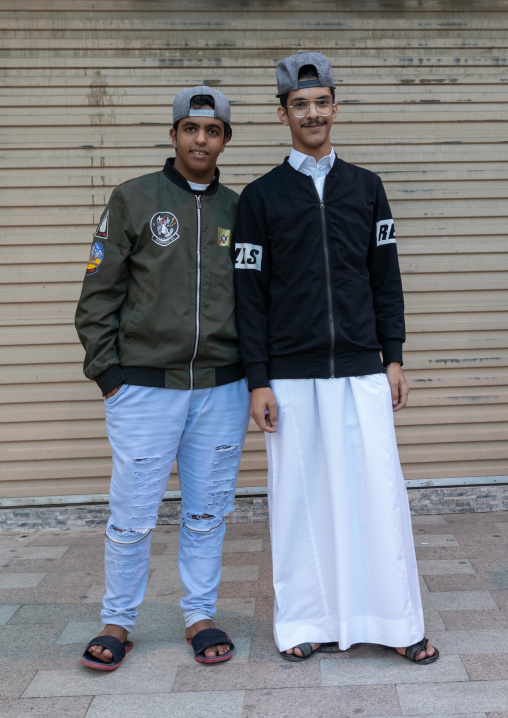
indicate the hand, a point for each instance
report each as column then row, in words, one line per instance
column 263, row 409
column 113, row 392
column 398, row 385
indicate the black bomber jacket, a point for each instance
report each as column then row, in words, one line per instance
column 318, row 287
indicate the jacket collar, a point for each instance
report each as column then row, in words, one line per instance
column 335, row 170
column 178, row 179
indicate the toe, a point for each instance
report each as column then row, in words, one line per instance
column 211, row 651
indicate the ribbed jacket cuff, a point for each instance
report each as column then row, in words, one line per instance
column 392, row 351
column 257, row 375
column 109, row 379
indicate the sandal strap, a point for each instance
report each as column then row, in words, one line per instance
column 416, row 648
column 305, row 648
column 209, row 637
column 113, row 644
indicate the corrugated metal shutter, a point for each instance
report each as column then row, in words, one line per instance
column 86, row 93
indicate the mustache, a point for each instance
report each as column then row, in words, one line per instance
column 313, row 123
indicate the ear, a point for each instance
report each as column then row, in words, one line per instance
column 226, row 140
column 282, row 114
column 335, row 110
column 172, row 134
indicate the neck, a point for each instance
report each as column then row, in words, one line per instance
column 204, row 177
column 316, row 152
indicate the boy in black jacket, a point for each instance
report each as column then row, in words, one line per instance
column 319, row 296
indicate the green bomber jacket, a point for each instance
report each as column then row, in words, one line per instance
column 157, row 302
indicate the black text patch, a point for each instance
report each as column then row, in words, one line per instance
column 385, row 232
column 248, row 256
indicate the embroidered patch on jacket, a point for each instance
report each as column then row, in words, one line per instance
column 224, row 237
column 102, row 230
column 96, row 257
column 385, row 232
column 248, row 256
column 164, row 226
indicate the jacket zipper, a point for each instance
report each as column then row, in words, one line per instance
column 328, row 280
column 198, row 291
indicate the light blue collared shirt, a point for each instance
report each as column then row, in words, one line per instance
column 308, row 166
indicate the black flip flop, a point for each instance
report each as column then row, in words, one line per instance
column 306, row 650
column 415, row 649
column 210, row 637
column 117, row 648
column 334, row 648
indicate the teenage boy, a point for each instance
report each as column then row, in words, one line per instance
column 156, row 318
column 318, row 296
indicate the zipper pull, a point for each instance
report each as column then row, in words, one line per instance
column 321, row 204
column 198, row 200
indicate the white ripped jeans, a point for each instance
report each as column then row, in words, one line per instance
column 148, row 427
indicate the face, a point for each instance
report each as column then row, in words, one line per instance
column 312, row 132
column 198, row 143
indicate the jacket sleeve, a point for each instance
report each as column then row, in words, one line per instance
column 385, row 281
column 104, row 289
column 252, row 280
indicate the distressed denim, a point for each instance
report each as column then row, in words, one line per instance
column 148, row 427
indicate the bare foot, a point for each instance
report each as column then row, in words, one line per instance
column 103, row 654
column 298, row 652
column 421, row 655
column 218, row 650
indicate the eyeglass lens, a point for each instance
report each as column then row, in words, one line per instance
column 301, row 107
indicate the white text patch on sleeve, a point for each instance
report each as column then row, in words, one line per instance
column 248, row 256
column 385, row 232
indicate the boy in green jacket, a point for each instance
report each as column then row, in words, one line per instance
column 156, row 319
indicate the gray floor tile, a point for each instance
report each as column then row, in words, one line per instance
column 75, row 707
column 7, row 612
column 469, row 642
column 242, row 545
column 502, row 528
column 433, row 621
column 474, row 620
column 435, row 540
column 458, row 601
column 227, row 607
column 424, row 519
column 488, row 667
column 480, row 696
column 57, row 614
column 344, row 701
column 252, row 675
column 34, row 552
column 390, row 669
column 176, row 705
column 20, row 580
column 79, row 632
column 239, row 573
column 444, row 567
column 141, row 670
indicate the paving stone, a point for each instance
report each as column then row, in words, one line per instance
column 479, row 620
column 500, row 598
column 7, row 612
column 433, row 621
column 445, row 567
column 436, row 540
column 33, row 552
column 246, row 559
column 471, row 642
column 32, row 640
column 239, row 573
column 75, row 707
column 94, row 594
column 487, row 667
column 390, row 669
column 459, row 582
column 228, row 607
column 440, row 553
column 176, row 705
column 20, row 580
column 344, row 701
column 15, row 678
column 502, row 527
column 79, row 632
column 458, row 600
column 253, row 675
column 242, row 545
column 481, row 696
column 497, row 715
column 138, row 670
column 424, row 519
column 246, row 589
column 55, row 613
column 264, row 608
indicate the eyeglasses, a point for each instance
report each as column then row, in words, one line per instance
column 324, row 107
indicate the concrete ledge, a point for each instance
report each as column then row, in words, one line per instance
column 76, row 517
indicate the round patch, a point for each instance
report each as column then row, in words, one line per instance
column 164, row 226
column 96, row 257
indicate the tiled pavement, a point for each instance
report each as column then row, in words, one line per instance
column 50, row 591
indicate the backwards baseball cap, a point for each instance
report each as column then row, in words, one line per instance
column 288, row 69
column 183, row 100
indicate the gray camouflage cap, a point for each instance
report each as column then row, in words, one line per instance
column 182, row 104
column 287, row 72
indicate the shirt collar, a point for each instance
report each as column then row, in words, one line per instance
column 296, row 159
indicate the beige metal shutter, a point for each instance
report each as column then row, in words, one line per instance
column 86, row 92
